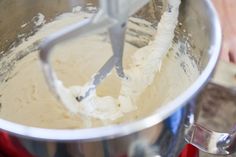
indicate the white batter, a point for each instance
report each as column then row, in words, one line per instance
column 26, row 99
column 144, row 65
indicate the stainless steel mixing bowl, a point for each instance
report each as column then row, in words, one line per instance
column 160, row 134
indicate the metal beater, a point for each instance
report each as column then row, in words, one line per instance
column 113, row 16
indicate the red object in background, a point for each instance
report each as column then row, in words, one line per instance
column 11, row 147
column 189, row 151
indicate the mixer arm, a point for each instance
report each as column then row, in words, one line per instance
column 119, row 10
column 123, row 8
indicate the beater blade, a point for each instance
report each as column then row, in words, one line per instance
column 113, row 16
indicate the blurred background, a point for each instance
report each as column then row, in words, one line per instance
column 222, row 117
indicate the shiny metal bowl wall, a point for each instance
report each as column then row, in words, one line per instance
column 159, row 134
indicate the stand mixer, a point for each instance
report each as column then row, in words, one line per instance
column 152, row 131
